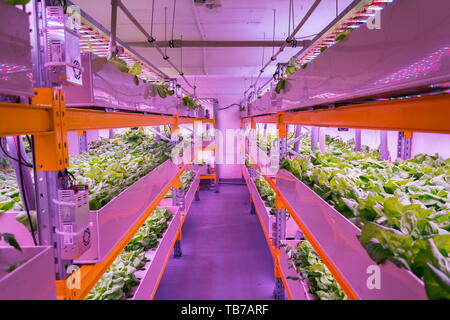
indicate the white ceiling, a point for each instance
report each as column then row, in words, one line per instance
column 222, row 73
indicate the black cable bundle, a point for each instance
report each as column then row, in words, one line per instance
column 25, row 202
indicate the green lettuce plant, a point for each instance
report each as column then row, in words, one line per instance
column 119, row 280
column 112, row 165
column 402, row 208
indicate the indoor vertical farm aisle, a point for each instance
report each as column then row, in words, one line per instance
column 224, row 150
column 225, row 255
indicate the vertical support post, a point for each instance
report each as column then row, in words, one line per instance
column 280, row 223
column 282, row 134
column 252, row 207
column 253, row 171
column 158, row 137
column 358, row 140
column 82, row 141
column 384, row 151
column 322, row 140
column 51, row 155
column 404, row 144
column 314, row 137
column 407, row 144
column 177, row 200
column 298, row 132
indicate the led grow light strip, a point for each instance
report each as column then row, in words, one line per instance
column 329, row 39
column 95, row 41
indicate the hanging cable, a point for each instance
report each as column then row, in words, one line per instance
column 165, row 33
column 25, row 201
column 172, row 42
column 263, row 55
column 152, row 39
column 195, row 87
column 289, row 20
column 292, row 41
column 154, row 44
column 12, row 158
column 273, row 35
column 181, row 56
column 231, row 105
column 288, row 40
column 293, row 16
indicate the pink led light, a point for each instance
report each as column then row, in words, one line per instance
column 353, row 23
column 419, row 68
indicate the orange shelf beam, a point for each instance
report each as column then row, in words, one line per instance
column 82, row 119
column 20, row 119
column 423, row 114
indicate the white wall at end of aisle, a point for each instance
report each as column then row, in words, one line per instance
column 72, row 138
column 104, row 133
column 431, row 143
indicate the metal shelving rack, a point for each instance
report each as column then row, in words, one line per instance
column 420, row 114
column 48, row 120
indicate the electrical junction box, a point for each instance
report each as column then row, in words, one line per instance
column 74, row 221
column 62, row 38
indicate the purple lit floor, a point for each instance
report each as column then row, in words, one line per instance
column 225, row 255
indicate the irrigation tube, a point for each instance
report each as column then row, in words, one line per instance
column 288, row 40
column 118, row 3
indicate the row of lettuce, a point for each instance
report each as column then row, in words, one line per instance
column 108, row 168
column 310, row 268
column 402, row 207
column 119, row 280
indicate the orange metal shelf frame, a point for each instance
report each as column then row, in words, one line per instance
column 49, row 120
column 282, row 203
column 421, row 114
column 82, row 281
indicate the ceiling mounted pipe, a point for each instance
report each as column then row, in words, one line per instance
column 218, row 44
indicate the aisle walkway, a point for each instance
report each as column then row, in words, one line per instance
column 225, row 255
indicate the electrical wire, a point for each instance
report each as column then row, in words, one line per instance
column 231, row 105
column 152, row 39
column 12, row 158
column 173, row 18
column 165, row 31
column 24, row 193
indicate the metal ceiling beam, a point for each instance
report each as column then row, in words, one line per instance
column 217, row 44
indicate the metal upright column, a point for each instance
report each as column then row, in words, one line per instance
column 177, row 194
column 253, row 171
column 51, row 156
column 280, row 234
column 82, row 141
column 314, row 137
column 384, row 151
column 358, row 140
column 298, row 132
column 178, row 200
column 404, row 144
column 322, row 140
column 51, row 152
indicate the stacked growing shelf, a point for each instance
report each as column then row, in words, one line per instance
column 116, row 223
column 378, row 99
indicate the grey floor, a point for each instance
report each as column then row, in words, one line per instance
column 225, row 255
